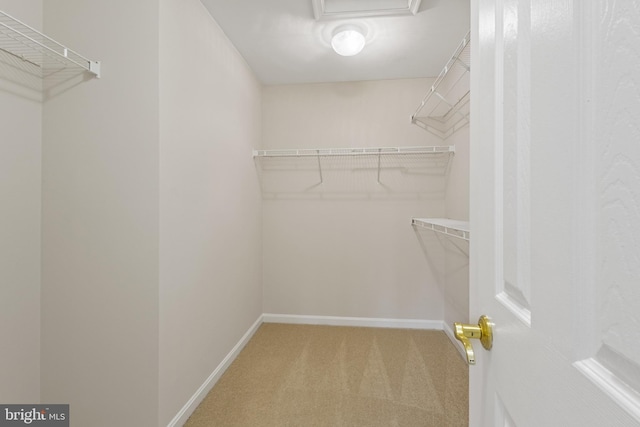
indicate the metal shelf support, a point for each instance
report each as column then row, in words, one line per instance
column 320, row 168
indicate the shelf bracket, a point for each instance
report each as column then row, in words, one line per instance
column 443, row 99
column 463, row 64
column 94, row 67
column 379, row 154
column 320, row 167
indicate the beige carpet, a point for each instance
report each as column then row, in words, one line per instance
column 302, row 375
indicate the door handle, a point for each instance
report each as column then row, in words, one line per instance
column 482, row 331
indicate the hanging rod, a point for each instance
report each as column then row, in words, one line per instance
column 30, row 45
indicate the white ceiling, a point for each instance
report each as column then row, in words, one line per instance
column 283, row 42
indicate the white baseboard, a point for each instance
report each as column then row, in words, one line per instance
column 206, row 387
column 457, row 344
column 353, row 321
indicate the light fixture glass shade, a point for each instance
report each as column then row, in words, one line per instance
column 348, row 42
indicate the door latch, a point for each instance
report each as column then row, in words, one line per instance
column 482, row 331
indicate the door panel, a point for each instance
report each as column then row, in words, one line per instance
column 613, row 359
column 513, row 141
column 618, row 189
column 555, row 212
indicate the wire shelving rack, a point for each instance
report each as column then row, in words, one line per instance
column 377, row 153
column 445, row 108
column 450, row 227
column 23, row 42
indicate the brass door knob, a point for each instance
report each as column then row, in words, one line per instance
column 482, row 331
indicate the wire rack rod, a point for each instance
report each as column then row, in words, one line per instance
column 376, row 151
column 450, row 227
column 30, row 45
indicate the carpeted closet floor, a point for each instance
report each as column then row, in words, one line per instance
column 303, row 375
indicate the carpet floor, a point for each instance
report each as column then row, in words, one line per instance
column 306, row 375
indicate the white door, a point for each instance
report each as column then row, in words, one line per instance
column 555, row 212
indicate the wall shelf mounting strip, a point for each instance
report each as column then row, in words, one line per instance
column 379, row 152
column 445, row 108
column 29, row 45
column 450, row 227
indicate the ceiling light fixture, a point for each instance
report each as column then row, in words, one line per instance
column 347, row 41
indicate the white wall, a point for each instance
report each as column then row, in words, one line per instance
column 100, row 297
column 457, row 199
column 210, row 203
column 346, row 247
column 151, row 211
column 456, row 267
column 20, row 191
column 456, row 282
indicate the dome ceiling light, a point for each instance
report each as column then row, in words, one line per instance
column 347, row 41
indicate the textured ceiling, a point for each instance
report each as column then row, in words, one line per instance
column 283, row 42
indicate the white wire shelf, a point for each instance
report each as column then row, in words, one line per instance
column 328, row 152
column 445, row 108
column 450, row 227
column 21, row 41
column 379, row 158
